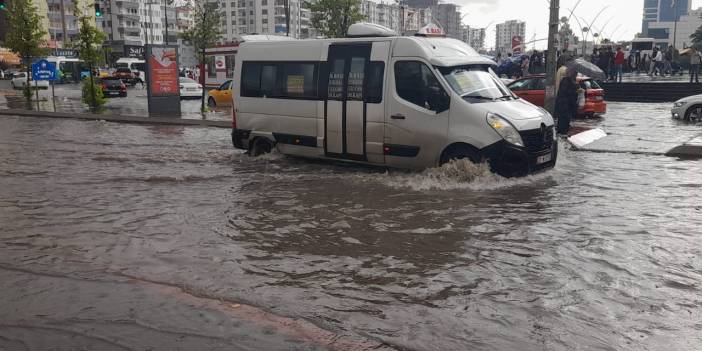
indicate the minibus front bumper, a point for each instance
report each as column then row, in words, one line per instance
column 508, row 160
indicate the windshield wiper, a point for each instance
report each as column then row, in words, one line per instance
column 479, row 97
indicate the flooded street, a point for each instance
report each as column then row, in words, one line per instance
column 133, row 237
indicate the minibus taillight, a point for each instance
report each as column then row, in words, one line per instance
column 233, row 117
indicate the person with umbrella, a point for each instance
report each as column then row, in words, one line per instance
column 567, row 101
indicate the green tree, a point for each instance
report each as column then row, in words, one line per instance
column 25, row 35
column 697, row 39
column 332, row 18
column 205, row 33
column 88, row 43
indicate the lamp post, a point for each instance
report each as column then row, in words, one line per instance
column 675, row 30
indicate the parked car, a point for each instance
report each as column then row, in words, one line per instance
column 688, row 108
column 221, row 96
column 19, row 81
column 10, row 73
column 533, row 89
column 127, row 76
column 189, row 88
column 113, row 86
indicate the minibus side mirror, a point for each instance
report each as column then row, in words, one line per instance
column 438, row 100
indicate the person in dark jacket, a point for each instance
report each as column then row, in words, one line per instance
column 567, row 101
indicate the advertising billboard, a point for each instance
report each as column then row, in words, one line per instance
column 163, row 71
column 516, row 44
column 163, row 89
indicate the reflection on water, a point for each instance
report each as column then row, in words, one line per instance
column 600, row 253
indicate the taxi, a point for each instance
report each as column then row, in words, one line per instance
column 220, row 96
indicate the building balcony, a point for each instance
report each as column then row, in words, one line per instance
column 131, row 16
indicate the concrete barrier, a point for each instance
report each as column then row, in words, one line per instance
column 120, row 118
column 650, row 91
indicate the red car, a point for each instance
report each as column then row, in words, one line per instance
column 532, row 89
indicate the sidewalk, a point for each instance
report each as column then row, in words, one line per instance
column 68, row 100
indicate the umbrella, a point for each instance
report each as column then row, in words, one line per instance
column 586, row 68
column 687, row 51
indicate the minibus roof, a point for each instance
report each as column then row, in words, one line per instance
column 440, row 51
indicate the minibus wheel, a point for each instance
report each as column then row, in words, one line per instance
column 458, row 152
column 260, row 146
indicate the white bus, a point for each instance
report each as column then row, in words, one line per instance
column 409, row 102
column 69, row 69
column 643, row 45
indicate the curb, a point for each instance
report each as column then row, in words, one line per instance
column 690, row 150
column 120, row 118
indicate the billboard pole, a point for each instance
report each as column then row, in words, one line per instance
column 551, row 60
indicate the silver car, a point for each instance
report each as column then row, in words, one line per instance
column 688, row 108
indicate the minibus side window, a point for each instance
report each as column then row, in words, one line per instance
column 299, row 80
column 415, row 83
column 251, row 79
column 374, row 83
column 269, row 77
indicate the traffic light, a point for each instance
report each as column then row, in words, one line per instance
column 98, row 11
column 3, row 4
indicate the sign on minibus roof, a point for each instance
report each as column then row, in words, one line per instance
column 431, row 30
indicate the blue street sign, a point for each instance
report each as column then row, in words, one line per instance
column 43, row 70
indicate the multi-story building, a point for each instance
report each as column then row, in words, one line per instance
column 449, row 18
column 506, row 32
column 415, row 18
column 676, row 33
column 184, row 21
column 662, row 11
column 130, row 24
column 475, row 37
column 61, row 21
column 242, row 17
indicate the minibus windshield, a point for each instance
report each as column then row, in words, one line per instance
column 475, row 82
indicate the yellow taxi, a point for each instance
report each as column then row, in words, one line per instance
column 221, row 96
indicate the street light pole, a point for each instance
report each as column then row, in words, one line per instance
column 675, row 30
column 551, row 60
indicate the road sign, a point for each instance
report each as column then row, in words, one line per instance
column 43, row 70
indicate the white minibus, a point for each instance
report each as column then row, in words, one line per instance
column 374, row 97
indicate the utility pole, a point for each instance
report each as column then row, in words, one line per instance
column 675, row 31
column 551, row 58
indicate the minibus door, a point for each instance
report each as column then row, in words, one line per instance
column 344, row 109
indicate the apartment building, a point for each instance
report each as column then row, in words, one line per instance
column 60, row 21
column 184, row 21
column 505, row 32
column 475, row 37
column 240, row 17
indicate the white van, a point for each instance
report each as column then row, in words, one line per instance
column 137, row 66
column 409, row 102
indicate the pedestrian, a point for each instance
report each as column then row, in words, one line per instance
column 610, row 63
column 525, row 65
column 638, row 62
column 567, row 101
column 618, row 65
column 668, row 61
column 499, row 59
column 565, row 57
column 695, row 61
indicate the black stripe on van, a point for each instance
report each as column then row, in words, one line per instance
column 400, row 150
column 291, row 139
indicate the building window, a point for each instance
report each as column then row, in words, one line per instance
column 264, row 11
column 264, row 2
column 264, row 21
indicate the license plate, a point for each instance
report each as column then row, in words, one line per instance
column 113, row 92
column 192, row 89
column 543, row 159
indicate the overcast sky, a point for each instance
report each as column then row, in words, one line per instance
column 620, row 20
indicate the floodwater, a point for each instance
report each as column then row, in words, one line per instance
column 601, row 253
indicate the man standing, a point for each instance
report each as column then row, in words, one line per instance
column 695, row 60
column 668, row 61
column 566, row 101
column 618, row 65
column 658, row 62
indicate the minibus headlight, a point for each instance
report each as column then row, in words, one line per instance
column 505, row 129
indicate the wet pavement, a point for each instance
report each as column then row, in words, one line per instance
column 68, row 99
column 134, row 237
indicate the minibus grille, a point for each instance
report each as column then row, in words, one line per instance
column 537, row 140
